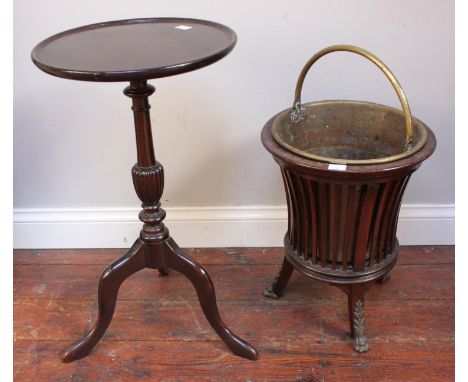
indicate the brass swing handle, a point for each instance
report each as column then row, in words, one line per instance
column 298, row 112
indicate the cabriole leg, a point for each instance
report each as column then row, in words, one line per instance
column 275, row 290
column 201, row 280
column 109, row 284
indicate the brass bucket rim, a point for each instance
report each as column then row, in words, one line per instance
column 282, row 120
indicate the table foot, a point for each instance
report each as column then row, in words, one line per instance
column 203, row 284
column 275, row 290
column 109, row 284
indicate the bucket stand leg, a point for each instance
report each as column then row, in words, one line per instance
column 275, row 290
column 355, row 294
column 384, row 278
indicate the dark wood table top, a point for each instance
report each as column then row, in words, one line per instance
column 137, row 49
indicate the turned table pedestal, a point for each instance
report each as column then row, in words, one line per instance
column 136, row 51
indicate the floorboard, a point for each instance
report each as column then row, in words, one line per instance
column 159, row 332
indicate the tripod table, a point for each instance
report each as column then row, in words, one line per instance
column 135, row 51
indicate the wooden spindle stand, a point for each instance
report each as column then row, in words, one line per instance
column 137, row 50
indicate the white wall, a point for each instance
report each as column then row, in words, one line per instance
column 74, row 141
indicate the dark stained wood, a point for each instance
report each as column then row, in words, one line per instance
column 139, row 92
column 346, row 223
column 385, row 191
column 322, row 222
column 155, row 248
column 275, row 290
column 313, row 221
column 334, row 221
column 136, row 49
column 295, row 234
column 355, row 293
column 351, row 216
column 161, row 334
column 109, row 284
column 360, row 248
column 378, row 172
column 288, row 202
column 394, row 218
column 305, row 218
column 364, row 230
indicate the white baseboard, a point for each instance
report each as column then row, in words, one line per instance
column 252, row 226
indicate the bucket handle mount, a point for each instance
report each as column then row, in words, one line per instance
column 298, row 112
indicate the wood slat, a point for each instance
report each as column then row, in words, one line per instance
column 385, row 226
column 295, row 211
column 288, row 202
column 306, row 218
column 390, row 245
column 334, row 222
column 354, row 193
column 380, row 207
column 312, row 197
column 363, row 231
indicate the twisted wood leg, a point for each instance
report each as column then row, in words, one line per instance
column 109, row 285
column 275, row 290
column 203, row 284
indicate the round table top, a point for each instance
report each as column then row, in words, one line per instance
column 136, row 49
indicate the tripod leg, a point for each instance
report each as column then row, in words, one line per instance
column 275, row 290
column 109, row 284
column 203, row 284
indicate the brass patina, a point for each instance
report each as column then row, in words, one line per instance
column 349, row 132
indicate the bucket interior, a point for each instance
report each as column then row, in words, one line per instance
column 347, row 132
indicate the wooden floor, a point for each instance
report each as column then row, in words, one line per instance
column 159, row 332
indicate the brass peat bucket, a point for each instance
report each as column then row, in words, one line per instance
column 345, row 166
